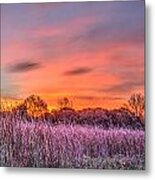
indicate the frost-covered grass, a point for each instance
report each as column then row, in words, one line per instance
column 31, row 144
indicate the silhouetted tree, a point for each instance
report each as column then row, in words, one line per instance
column 64, row 103
column 35, row 106
column 136, row 105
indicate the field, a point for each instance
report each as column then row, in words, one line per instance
column 72, row 145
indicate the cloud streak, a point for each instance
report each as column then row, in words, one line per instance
column 123, row 87
column 78, row 71
column 24, row 66
column 98, row 98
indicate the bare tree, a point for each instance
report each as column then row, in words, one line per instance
column 136, row 105
column 64, row 103
column 35, row 106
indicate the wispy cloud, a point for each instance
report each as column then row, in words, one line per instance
column 98, row 98
column 122, row 87
column 78, row 71
column 86, row 97
column 26, row 65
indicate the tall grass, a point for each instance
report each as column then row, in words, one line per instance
column 39, row 144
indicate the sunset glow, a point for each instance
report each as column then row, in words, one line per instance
column 89, row 52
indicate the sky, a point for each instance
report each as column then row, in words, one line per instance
column 90, row 52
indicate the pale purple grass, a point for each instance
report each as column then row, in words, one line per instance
column 66, row 146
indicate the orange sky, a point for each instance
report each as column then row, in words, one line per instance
column 90, row 52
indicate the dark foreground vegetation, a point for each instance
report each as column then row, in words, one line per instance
column 66, row 138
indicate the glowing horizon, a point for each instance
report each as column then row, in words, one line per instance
column 89, row 52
